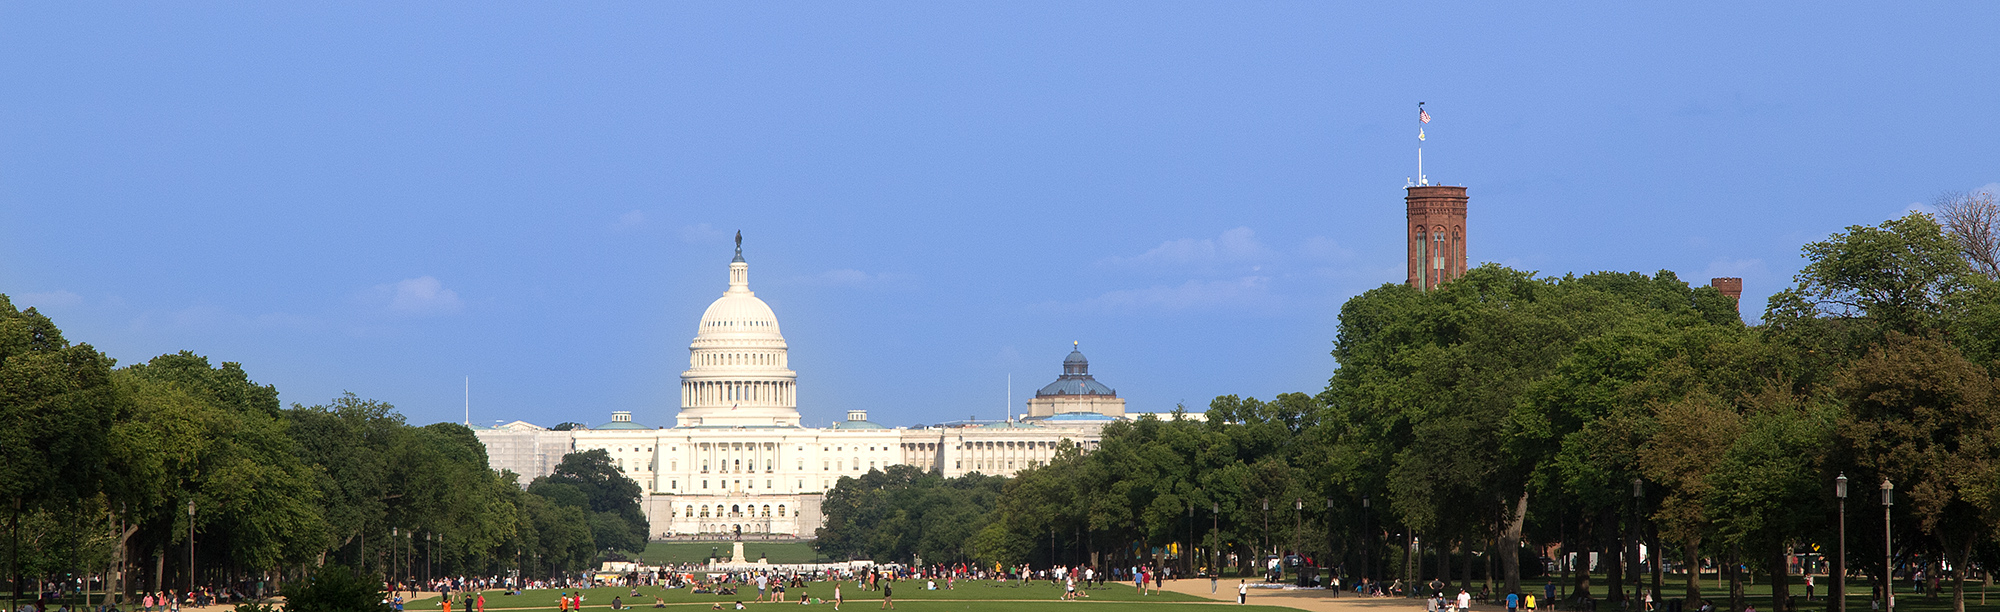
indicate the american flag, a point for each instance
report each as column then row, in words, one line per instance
column 1423, row 116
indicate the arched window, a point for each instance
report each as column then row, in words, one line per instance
column 704, row 511
column 781, row 510
column 767, row 510
column 736, row 510
column 690, row 510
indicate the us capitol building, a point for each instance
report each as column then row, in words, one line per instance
column 738, row 458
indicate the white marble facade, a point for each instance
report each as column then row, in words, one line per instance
column 738, row 457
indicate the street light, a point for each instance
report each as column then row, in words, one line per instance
column 1214, row 547
column 1267, row 531
column 1327, row 521
column 1367, row 537
column 1888, row 548
column 1298, row 523
column 1840, row 548
column 190, row 587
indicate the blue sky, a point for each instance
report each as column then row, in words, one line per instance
column 387, row 198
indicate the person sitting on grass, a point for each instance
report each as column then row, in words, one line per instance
column 659, row 603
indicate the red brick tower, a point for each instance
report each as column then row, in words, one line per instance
column 1730, row 286
column 1437, row 234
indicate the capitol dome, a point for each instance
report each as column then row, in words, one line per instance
column 738, row 375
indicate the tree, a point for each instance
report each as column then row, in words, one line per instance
column 347, row 442
column 1973, row 220
column 56, row 402
column 1902, row 276
column 588, row 480
column 1925, row 417
column 213, row 437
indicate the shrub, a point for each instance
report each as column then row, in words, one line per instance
column 336, row 589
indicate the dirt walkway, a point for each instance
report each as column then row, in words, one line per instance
column 1316, row 600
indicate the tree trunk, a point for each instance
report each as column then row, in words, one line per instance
column 1959, row 557
column 1735, row 578
column 1614, row 573
column 1691, row 550
column 1510, row 543
column 1659, row 567
column 1582, row 588
column 1781, row 590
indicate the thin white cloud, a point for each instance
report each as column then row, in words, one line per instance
column 210, row 318
column 1237, row 245
column 633, row 220
column 46, row 299
column 1248, row 293
column 848, row 277
column 1738, row 268
column 420, row 296
column 701, row 233
column 1321, row 248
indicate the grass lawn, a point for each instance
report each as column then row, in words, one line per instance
column 1757, row 593
column 698, row 552
column 970, row 595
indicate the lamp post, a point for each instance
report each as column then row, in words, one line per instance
column 190, row 582
column 395, row 555
column 1267, row 531
column 1840, row 548
column 1326, row 520
column 1888, row 548
column 1214, row 547
column 1367, row 538
column 1298, row 523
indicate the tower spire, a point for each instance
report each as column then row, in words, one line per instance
column 739, row 246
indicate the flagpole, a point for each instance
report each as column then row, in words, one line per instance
column 1420, row 146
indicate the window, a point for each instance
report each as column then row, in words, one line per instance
column 781, row 510
column 690, row 510
column 733, row 510
column 767, row 510
column 767, row 484
column 704, row 484
column 704, row 511
column 824, row 465
column 677, row 484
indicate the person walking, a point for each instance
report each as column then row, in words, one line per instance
column 836, row 595
column 1242, row 592
column 888, row 587
column 1464, row 600
column 481, row 604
